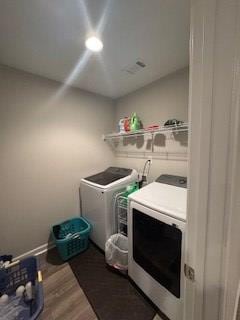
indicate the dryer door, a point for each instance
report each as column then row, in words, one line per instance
column 157, row 249
column 156, row 257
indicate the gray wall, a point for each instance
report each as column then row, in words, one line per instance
column 45, row 150
column 47, row 145
column 162, row 100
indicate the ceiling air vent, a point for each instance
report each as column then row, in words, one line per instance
column 137, row 66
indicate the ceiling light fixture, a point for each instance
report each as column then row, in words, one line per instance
column 94, row 44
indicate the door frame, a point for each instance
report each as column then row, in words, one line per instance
column 214, row 157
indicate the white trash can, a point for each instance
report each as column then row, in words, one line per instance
column 116, row 251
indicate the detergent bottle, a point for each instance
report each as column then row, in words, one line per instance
column 131, row 188
column 135, row 122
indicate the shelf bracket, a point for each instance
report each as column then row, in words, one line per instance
column 152, row 145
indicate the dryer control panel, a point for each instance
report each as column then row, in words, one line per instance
column 176, row 181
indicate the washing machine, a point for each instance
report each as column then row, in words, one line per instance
column 156, row 237
column 97, row 193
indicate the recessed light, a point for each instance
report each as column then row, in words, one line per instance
column 94, row 44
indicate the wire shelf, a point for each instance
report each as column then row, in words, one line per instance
column 175, row 128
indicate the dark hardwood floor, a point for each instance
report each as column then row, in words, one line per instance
column 63, row 297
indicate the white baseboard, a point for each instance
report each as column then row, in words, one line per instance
column 37, row 251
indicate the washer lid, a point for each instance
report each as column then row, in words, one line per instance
column 111, row 177
column 108, row 176
column 167, row 199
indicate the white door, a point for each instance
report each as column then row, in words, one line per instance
column 214, row 160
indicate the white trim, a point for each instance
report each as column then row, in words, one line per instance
column 37, row 251
column 200, row 113
column 231, row 260
column 237, row 301
column 214, row 41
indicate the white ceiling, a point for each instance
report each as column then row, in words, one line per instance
column 46, row 37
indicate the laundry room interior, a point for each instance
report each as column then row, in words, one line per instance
column 94, row 139
column 118, row 115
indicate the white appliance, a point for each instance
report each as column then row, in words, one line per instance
column 156, row 232
column 97, row 193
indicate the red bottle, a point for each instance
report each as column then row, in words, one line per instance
column 127, row 124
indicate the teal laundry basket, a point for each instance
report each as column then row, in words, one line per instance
column 71, row 237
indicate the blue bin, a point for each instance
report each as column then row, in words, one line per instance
column 20, row 273
column 71, row 237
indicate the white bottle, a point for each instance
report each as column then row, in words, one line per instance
column 4, row 299
column 121, row 125
column 20, row 291
column 29, row 291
